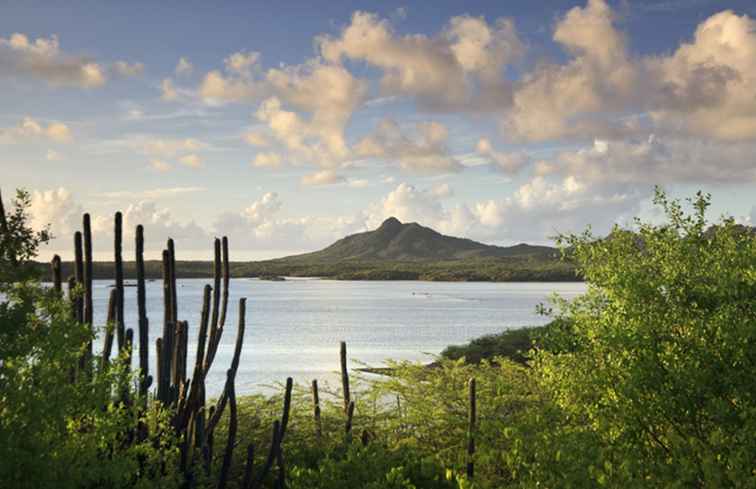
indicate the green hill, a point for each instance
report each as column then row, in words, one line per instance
column 396, row 241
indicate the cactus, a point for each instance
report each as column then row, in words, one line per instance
column 344, row 376
column 117, row 242
column 161, row 376
column 79, row 274
column 272, row 453
column 56, row 275
column 109, row 325
column 226, row 280
column 144, row 339
column 215, row 332
column 232, row 425
column 286, row 408
column 172, row 280
column 88, row 313
column 471, row 420
column 248, row 467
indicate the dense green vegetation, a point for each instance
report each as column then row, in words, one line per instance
column 477, row 269
column 645, row 381
column 513, row 344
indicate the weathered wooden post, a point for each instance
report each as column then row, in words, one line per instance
column 344, row 376
column 471, row 420
column 316, row 411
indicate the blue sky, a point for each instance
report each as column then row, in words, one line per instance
column 289, row 125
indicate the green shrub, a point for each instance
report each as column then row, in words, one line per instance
column 658, row 376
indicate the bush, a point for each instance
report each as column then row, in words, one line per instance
column 658, row 376
column 63, row 426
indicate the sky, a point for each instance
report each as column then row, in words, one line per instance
column 287, row 125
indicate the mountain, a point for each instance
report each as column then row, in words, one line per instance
column 397, row 241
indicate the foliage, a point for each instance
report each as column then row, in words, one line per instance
column 663, row 349
column 514, row 269
column 18, row 241
column 62, row 426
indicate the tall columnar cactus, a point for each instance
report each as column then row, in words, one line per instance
column 144, row 338
column 172, row 280
column 185, row 397
column 471, row 421
column 226, row 280
column 249, row 467
column 232, row 426
column 79, row 274
column 88, row 312
column 109, row 327
column 344, row 375
column 56, row 275
column 117, row 242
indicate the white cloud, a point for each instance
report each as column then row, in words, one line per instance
column 460, row 67
column 324, row 177
column 703, row 89
column 358, row 183
column 166, row 147
column 184, row 67
column 126, row 69
column 152, row 194
column 256, row 138
column 660, row 160
column 267, row 160
column 168, row 89
column 42, row 58
column 509, row 163
column 30, row 128
column 424, row 151
column 161, row 166
column 241, row 63
column 191, row 160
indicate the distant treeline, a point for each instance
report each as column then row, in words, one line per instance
column 470, row 270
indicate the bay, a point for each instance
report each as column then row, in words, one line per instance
column 294, row 326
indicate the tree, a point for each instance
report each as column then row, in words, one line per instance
column 659, row 370
column 59, row 428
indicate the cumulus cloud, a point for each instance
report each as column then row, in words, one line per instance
column 659, row 160
column 184, row 67
column 325, row 177
column 237, row 83
column 42, row 58
column 59, row 208
column 424, row 151
column 256, row 138
column 168, row 90
column 30, row 128
column 329, row 94
column 460, row 67
column 703, row 89
column 126, row 69
column 267, row 160
column 509, row 162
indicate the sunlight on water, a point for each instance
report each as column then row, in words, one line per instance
column 294, row 327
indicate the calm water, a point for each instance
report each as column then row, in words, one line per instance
column 294, row 327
